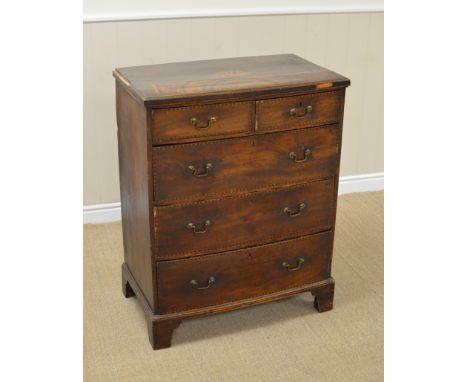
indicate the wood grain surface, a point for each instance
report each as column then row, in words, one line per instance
column 241, row 77
column 175, row 124
column 241, row 221
column 135, row 192
column 242, row 274
column 229, row 177
column 292, row 113
column 243, row 164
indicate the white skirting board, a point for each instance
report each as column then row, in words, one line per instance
column 105, row 213
column 361, row 183
column 101, row 213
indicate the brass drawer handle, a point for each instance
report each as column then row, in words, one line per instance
column 305, row 156
column 193, row 227
column 287, row 266
column 194, row 122
column 211, row 281
column 195, row 172
column 300, row 207
column 294, row 112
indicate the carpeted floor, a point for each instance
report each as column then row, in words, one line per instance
column 279, row 341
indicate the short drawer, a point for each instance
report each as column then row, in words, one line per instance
column 243, row 220
column 200, row 121
column 219, row 168
column 242, row 274
column 301, row 111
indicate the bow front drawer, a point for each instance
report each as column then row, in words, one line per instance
column 200, row 122
column 212, row 169
column 302, row 111
column 221, row 278
column 211, row 226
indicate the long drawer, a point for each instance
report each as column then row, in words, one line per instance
column 218, row 168
column 221, row 278
column 243, row 220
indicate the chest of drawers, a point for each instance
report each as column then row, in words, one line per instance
column 228, row 180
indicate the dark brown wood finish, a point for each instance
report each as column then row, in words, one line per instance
column 231, row 78
column 217, row 279
column 301, row 111
column 135, row 191
column 201, row 121
column 323, row 302
column 243, row 220
column 161, row 326
column 229, row 177
column 337, row 179
column 218, row 168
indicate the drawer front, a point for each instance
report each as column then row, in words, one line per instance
column 211, row 169
column 201, row 121
column 243, row 220
column 297, row 112
column 230, row 276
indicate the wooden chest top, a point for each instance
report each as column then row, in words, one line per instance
column 224, row 79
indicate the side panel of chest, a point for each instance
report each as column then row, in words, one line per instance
column 135, row 192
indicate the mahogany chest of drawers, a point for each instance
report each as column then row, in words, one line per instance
column 228, row 180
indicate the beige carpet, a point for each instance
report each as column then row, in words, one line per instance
column 279, row 341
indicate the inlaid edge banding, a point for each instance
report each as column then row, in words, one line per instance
column 291, row 131
column 234, row 246
column 215, row 107
column 278, row 187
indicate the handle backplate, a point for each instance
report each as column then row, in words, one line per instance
column 194, row 229
column 195, row 123
column 305, row 156
column 290, row 212
column 298, row 113
column 210, row 282
column 196, row 173
column 290, row 268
